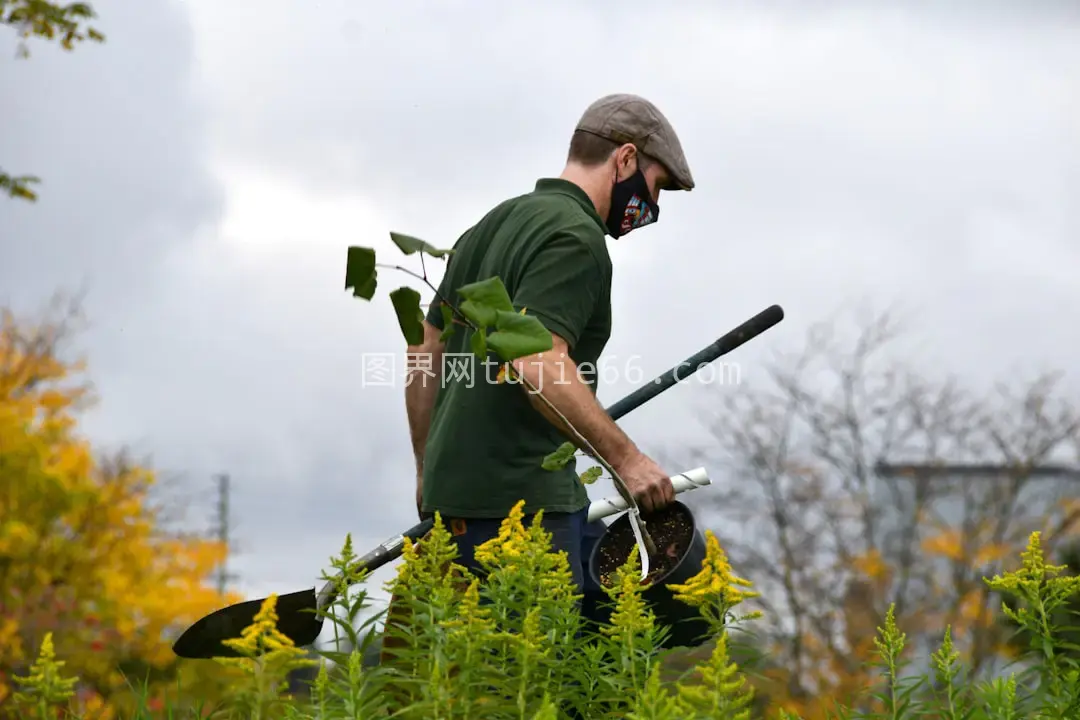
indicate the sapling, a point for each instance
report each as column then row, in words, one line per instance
column 486, row 304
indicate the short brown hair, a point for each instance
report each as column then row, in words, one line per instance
column 591, row 150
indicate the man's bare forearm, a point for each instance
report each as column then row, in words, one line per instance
column 558, row 380
column 421, row 388
column 419, row 404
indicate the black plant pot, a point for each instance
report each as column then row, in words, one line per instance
column 675, row 529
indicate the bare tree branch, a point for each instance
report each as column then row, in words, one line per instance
column 831, row 541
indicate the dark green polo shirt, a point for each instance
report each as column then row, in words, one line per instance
column 487, row 442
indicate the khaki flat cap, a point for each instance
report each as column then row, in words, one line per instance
column 625, row 118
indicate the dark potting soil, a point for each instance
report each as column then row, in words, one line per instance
column 671, row 530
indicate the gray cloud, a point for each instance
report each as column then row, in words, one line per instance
column 925, row 158
column 113, row 131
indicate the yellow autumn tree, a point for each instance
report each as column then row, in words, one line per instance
column 82, row 555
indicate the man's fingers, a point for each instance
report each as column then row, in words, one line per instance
column 655, row 498
column 660, row 500
column 656, row 495
column 645, row 499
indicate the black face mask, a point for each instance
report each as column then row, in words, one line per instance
column 632, row 206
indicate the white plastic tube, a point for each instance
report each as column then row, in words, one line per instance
column 682, row 482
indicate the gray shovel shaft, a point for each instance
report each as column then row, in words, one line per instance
column 739, row 336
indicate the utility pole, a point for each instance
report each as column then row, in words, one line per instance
column 222, row 532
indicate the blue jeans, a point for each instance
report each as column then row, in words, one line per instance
column 570, row 532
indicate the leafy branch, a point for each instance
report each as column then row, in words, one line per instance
column 486, row 305
column 49, row 21
column 18, row 187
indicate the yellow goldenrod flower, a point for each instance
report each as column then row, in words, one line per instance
column 510, row 541
column 721, row 691
column 263, row 640
column 715, row 582
column 520, row 564
column 266, row 658
column 471, row 617
column 45, row 682
column 631, row 615
column 428, row 566
column 1033, row 572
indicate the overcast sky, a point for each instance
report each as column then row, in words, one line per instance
column 207, row 167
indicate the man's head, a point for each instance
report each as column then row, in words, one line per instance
column 623, row 153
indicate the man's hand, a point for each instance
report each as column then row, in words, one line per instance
column 650, row 486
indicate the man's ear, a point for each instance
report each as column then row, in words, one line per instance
column 625, row 158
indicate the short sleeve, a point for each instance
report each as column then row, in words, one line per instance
column 561, row 285
column 434, row 313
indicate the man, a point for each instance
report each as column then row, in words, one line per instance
column 479, row 444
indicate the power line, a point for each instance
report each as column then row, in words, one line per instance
column 927, row 470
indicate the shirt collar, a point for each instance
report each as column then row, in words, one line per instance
column 558, row 186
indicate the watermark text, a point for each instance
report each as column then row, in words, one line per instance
column 394, row 369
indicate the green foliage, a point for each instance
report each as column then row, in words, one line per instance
column 509, row 644
column 360, row 274
column 50, row 21
column 591, row 475
column 1043, row 591
column 484, row 300
column 478, row 343
column 409, row 245
column 518, row 336
column 486, row 305
column 18, row 187
column 448, row 322
column 1066, row 616
column 45, row 684
column 560, row 458
column 411, row 319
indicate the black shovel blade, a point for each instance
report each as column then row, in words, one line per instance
column 296, row 620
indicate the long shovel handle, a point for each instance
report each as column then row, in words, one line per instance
column 296, row 619
column 741, row 335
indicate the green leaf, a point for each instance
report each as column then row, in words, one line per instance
column 560, row 458
column 483, row 300
column 518, row 336
column 409, row 245
column 478, row 343
column 448, row 322
column 360, row 272
column 19, row 187
column 591, row 475
column 410, row 318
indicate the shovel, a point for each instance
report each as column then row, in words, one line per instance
column 299, row 612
